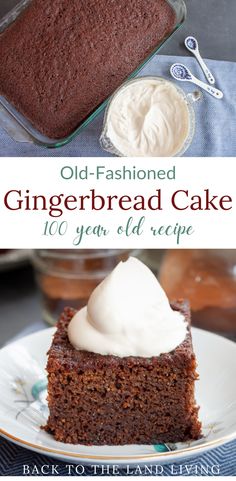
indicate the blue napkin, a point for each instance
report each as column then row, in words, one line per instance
column 220, row 461
column 215, row 119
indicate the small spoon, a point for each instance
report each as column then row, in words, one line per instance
column 191, row 44
column 182, row 73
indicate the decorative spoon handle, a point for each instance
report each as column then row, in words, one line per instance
column 205, row 69
column 211, row 90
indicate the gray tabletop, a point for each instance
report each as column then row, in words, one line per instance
column 211, row 21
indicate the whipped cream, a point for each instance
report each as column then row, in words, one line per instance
column 128, row 314
column 148, row 118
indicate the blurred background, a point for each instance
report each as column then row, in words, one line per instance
column 37, row 285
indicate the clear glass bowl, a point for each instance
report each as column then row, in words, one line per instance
column 190, row 99
column 21, row 130
column 68, row 277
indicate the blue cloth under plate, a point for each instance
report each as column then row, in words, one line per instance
column 13, row 458
column 215, row 126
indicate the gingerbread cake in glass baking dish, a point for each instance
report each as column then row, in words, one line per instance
column 61, row 59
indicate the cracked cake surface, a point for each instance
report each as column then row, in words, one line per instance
column 60, row 60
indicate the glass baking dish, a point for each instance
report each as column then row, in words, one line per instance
column 21, row 130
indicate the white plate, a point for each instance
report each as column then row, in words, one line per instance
column 23, row 407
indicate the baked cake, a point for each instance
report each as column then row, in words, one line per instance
column 60, row 59
column 103, row 399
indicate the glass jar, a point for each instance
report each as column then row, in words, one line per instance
column 207, row 278
column 152, row 258
column 68, row 277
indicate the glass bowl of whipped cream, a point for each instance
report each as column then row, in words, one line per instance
column 149, row 117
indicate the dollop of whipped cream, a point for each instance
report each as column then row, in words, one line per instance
column 148, row 118
column 128, row 314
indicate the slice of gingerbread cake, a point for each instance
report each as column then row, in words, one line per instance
column 106, row 385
